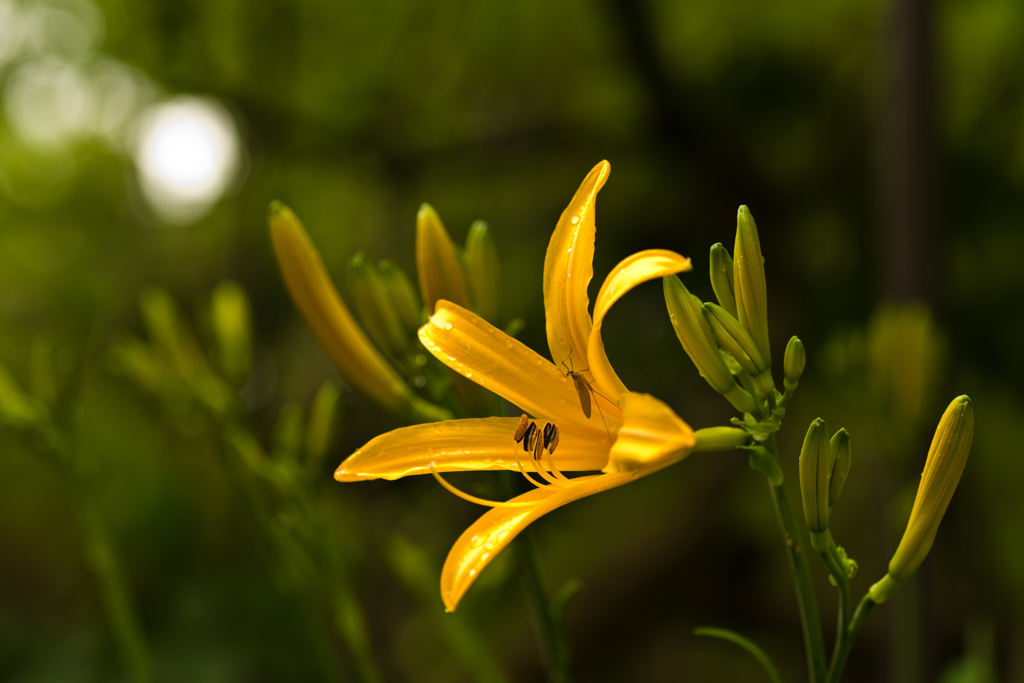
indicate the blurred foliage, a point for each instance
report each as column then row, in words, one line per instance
column 356, row 113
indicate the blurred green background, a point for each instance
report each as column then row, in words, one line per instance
column 880, row 146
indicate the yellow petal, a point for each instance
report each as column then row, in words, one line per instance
column 632, row 271
column 340, row 337
column 477, row 350
column 482, row 541
column 440, row 269
column 463, row 445
column 568, row 268
column 652, row 436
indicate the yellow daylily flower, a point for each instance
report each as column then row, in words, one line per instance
column 632, row 435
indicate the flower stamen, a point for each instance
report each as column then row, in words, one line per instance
column 473, row 499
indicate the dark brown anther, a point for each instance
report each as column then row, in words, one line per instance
column 528, row 437
column 551, row 437
column 538, row 448
column 524, row 422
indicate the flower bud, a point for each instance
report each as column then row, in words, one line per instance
column 722, row 278
column 375, row 305
column 323, row 416
column 440, row 268
column 841, row 457
column 946, row 459
column 750, row 288
column 695, row 335
column 739, row 344
column 232, row 326
column 406, row 298
column 793, row 363
column 814, row 462
column 344, row 342
column 482, row 271
column 720, row 438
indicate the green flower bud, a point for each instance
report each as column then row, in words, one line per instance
column 288, row 431
column 323, row 416
column 720, row 438
column 406, row 298
column 375, row 305
column 794, row 362
column 482, row 271
column 739, row 344
column 232, row 327
column 945, row 463
column 814, row 463
column 722, row 278
column 695, row 335
column 440, row 269
column 841, row 457
column 751, row 291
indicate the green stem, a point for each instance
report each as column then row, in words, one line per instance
column 550, row 633
column 839, row 661
column 814, row 642
column 351, row 628
column 117, row 602
column 835, row 568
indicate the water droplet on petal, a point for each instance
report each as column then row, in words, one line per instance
column 447, row 326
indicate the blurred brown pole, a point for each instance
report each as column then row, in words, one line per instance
column 906, row 152
column 907, row 229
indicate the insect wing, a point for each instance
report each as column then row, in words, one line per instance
column 584, row 391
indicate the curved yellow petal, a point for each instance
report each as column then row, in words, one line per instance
column 464, row 445
column 486, row 537
column 339, row 335
column 568, row 268
column 481, row 352
column 632, row 271
column 652, row 437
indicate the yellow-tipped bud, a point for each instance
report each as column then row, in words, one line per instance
column 751, row 291
column 406, row 298
column 793, row 363
column 738, row 343
column 814, row 469
column 323, row 416
column 232, row 326
column 841, row 458
column 695, row 335
column 375, row 305
column 946, row 459
column 722, row 278
column 440, row 268
column 482, row 271
column 344, row 342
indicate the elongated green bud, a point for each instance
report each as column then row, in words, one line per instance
column 734, row 339
column 406, row 298
column 814, row 462
column 440, row 269
column 720, row 438
column 946, row 459
column 323, row 416
column 375, row 305
column 288, row 431
column 722, row 278
column 695, row 335
column 232, row 325
column 482, row 271
column 751, row 291
column 841, row 457
column 794, row 362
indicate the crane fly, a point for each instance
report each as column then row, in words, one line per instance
column 584, row 390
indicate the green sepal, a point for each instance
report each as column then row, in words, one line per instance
column 764, row 462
